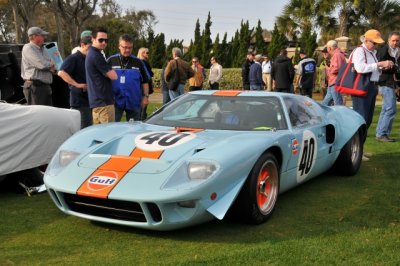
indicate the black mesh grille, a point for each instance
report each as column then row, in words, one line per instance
column 114, row 209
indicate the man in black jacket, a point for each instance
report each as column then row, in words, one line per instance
column 387, row 87
column 282, row 73
column 246, row 70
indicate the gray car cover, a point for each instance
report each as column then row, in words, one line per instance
column 31, row 134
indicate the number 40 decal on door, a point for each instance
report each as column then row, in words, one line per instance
column 308, row 154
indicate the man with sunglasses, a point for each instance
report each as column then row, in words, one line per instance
column 387, row 87
column 131, row 89
column 73, row 72
column 99, row 77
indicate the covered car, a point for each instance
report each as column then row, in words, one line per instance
column 202, row 156
column 31, row 134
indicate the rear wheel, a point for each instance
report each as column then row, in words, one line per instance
column 259, row 195
column 349, row 160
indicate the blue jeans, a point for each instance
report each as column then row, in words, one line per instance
column 332, row 94
column 178, row 92
column 388, row 112
column 134, row 114
column 165, row 95
column 256, row 87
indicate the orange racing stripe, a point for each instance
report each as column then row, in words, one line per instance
column 103, row 180
column 227, row 93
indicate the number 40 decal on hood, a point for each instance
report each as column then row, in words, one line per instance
column 308, row 154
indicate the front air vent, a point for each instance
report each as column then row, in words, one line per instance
column 107, row 208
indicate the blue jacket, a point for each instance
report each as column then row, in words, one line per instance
column 127, row 88
column 255, row 74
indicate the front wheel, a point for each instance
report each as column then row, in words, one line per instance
column 349, row 160
column 259, row 195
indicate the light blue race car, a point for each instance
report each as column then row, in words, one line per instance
column 206, row 155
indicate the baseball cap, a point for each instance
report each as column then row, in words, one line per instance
column 36, row 31
column 86, row 33
column 374, row 36
column 302, row 52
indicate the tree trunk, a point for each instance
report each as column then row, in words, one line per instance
column 17, row 25
column 343, row 18
column 60, row 34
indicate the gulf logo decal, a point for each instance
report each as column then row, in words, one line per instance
column 102, row 181
column 159, row 141
column 295, row 147
column 308, row 155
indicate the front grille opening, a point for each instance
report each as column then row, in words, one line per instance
column 154, row 211
column 107, row 208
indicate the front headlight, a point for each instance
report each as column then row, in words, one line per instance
column 200, row 170
column 60, row 161
column 65, row 157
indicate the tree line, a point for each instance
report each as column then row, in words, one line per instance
column 299, row 24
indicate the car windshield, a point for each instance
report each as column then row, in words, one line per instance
column 247, row 113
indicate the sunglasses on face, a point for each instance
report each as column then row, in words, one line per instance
column 374, row 43
column 101, row 40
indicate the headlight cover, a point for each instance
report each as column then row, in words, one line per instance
column 200, row 170
column 60, row 161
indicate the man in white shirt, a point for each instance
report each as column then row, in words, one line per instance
column 365, row 61
column 266, row 73
column 215, row 74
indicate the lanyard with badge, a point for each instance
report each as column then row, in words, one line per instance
column 122, row 78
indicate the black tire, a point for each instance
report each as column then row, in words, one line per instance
column 349, row 160
column 258, row 197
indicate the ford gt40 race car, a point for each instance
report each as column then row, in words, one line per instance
column 204, row 155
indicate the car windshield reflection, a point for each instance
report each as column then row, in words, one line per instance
column 222, row 113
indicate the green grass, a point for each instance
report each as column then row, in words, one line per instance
column 329, row 220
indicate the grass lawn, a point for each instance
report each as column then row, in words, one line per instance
column 330, row 220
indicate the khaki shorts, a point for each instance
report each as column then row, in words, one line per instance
column 104, row 114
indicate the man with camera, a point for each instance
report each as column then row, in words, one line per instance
column 387, row 87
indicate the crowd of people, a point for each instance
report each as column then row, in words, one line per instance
column 103, row 89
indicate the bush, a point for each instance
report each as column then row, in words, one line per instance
column 231, row 79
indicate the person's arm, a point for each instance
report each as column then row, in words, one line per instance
column 167, row 72
column 145, row 98
column 67, row 78
column 37, row 59
column 219, row 76
column 112, row 74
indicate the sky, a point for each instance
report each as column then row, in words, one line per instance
column 177, row 18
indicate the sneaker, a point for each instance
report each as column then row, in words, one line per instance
column 365, row 159
column 385, row 139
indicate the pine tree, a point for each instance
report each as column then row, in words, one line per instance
column 195, row 50
column 278, row 42
column 224, row 58
column 206, row 42
column 308, row 41
column 235, row 44
column 158, row 48
column 244, row 43
column 216, row 50
column 259, row 39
